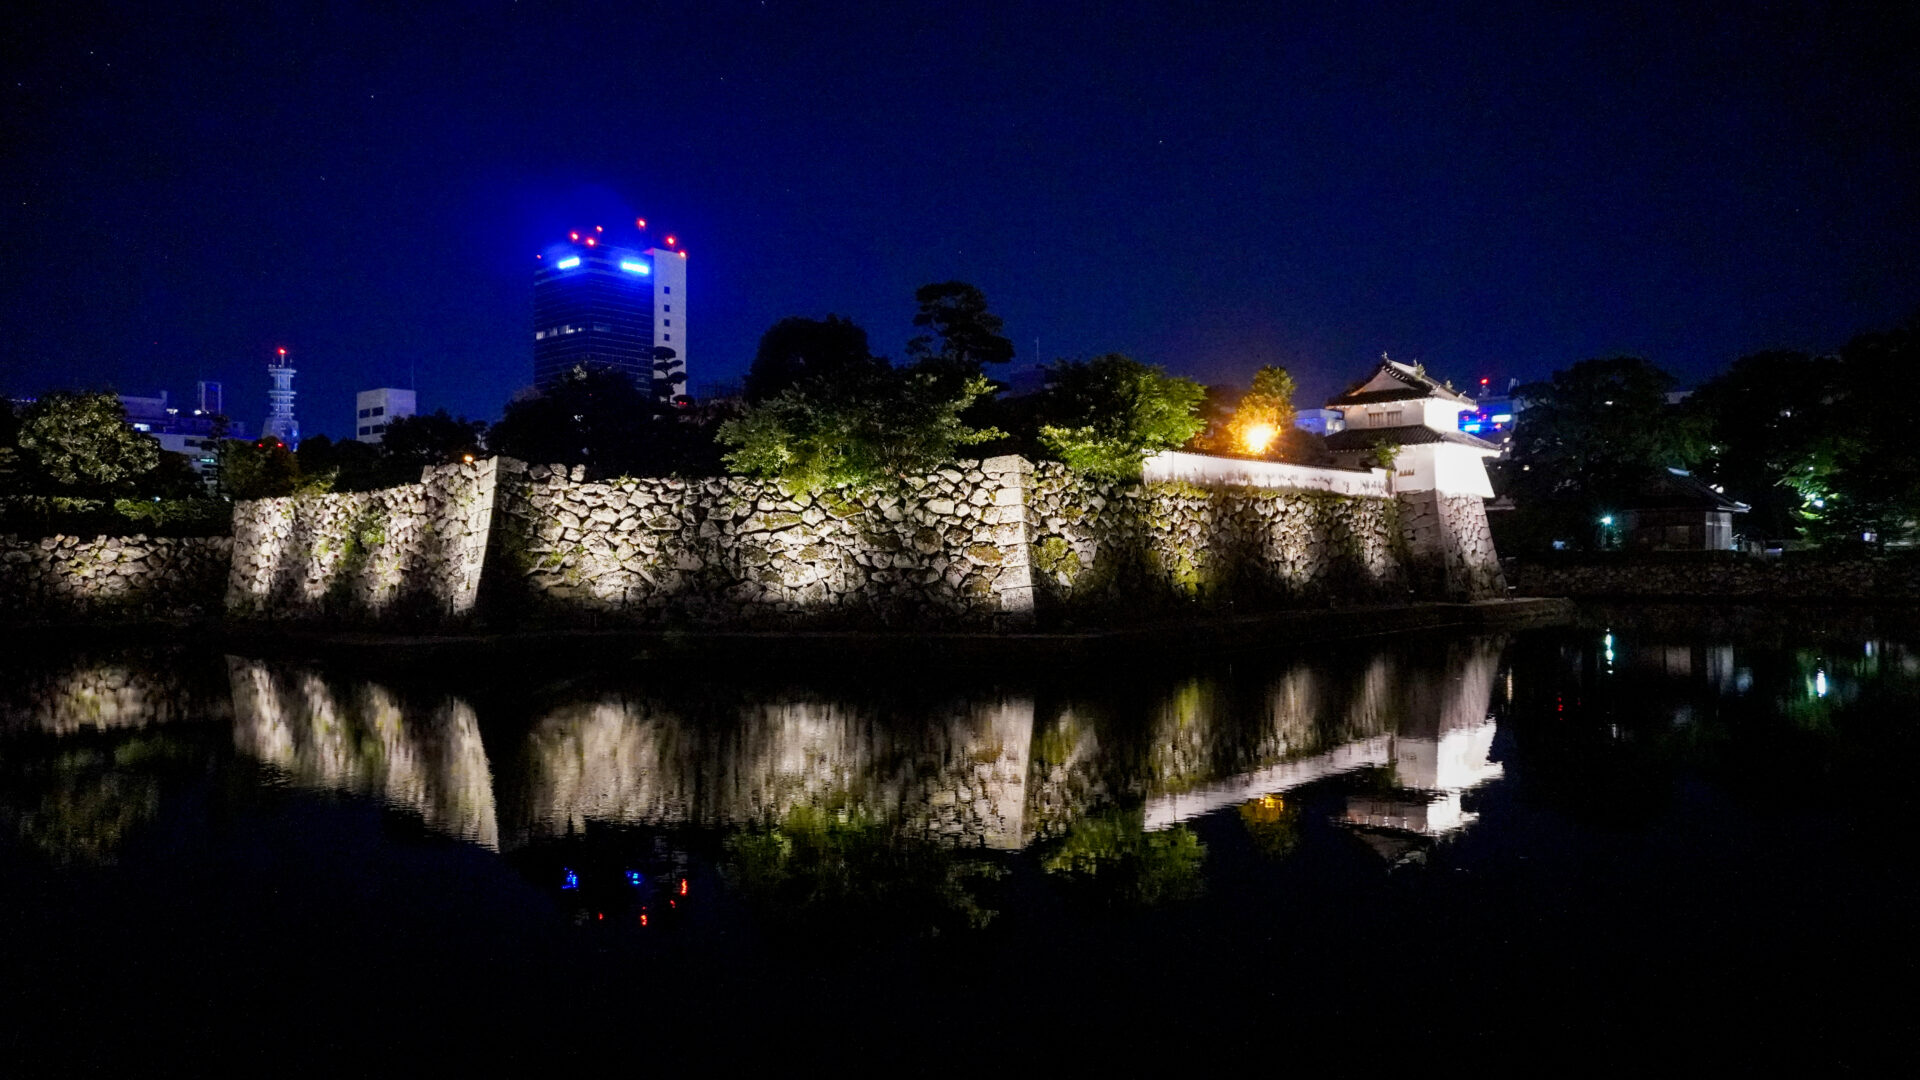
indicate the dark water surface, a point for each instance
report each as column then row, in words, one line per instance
column 1658, row 838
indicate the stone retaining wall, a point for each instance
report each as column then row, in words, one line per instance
column 990, row 544
column 947, row 550
column 411, row 553
column 1452, row 549
column 1722, row 577
column 1099, row 545
column 112, row 577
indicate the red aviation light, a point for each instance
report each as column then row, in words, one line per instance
column 669, row 241
column 597, row 228
column 283, row 352
column 683, row 254
column 639, row 223
column 590, row 241
column 574, row 236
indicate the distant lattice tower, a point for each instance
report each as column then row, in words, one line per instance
column 280, row 422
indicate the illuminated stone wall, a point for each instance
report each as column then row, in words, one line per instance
column 1120, row 548
column 410, row 553
column 947, row 550
column 110, row 577
column 1451, row 548
column 1000, row 543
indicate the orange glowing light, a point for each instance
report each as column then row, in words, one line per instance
column 1257, row 437
column 468, row 458
column 643, row 920
column 683, row 886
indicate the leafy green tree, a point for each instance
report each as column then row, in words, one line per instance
column 598, row 418
column 669, row 371
column 1111, row 857
column 1261, row 418
column 966, row 336
column 412, row 443
column 1775, row 426
column 347, row 465
column 1861, row 484
column 83, row 443
column 1593, row 434
column 264, row 469
column 813, row 352
column 1104, row 416
column 855, row 432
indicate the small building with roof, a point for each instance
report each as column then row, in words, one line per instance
column 1400, row 404
column 1677, row 511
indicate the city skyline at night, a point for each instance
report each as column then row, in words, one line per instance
column 1490, row 190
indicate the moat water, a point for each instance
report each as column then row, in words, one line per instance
column 1666, row 835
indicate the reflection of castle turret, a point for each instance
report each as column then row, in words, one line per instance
column 280, row 423
column 1443, row 751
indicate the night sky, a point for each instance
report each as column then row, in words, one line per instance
column 1493, row 190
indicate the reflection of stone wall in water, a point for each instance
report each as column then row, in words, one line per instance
column 126, row 690
column 960, row 776
column 106, row 577
column 359, row 737
column 409, row 552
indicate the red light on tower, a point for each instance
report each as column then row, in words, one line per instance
column 1483, row 382
column 283, row 352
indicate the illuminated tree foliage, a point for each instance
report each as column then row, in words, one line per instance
column 1104, row 416
column 854, row 432
column 1111, row 857
column 83, row 443
column 1261, row 419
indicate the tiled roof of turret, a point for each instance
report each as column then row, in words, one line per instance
column 1412, row 383
column 1354, row 439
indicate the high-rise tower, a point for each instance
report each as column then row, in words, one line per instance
column 280, row 422
column 600, row 302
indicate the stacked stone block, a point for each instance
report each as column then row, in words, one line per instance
column 112, row 577
column 944, row 549
column 1114, row 547
column 410, row 553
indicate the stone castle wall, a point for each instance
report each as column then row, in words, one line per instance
column 1098, row 545
column 410, row 553
column 944, row 550
column 1723, row 576
column 982, row 544
column 1452, row 549
column 112, row 577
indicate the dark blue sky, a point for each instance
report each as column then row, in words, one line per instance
column 1491, row 189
